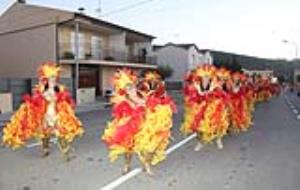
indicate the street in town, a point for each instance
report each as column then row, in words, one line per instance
column 266, row 157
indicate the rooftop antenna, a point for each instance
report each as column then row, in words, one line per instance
column 81, row 10
column 99, row 9
column 21, row 1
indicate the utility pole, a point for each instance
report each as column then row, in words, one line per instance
column 76, row 59
column 296, row 55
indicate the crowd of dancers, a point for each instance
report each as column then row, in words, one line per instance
column 216, row 102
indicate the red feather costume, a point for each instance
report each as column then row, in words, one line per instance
column 29, row 121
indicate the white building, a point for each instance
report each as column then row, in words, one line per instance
column 181, row 57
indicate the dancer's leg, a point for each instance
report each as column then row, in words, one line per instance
column 128, row 158
column 199, row 145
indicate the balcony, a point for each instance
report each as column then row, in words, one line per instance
column 87, row 52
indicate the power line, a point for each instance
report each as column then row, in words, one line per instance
column 127, row 7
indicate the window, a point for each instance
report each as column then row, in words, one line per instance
column 96, row 43
column 81, row 44
column 298, row 78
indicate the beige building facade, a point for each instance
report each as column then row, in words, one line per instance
column 30, row 35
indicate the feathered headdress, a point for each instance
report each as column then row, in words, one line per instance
column 47, row 70
column 239, row 76
column 123, row 78
column 223, row 73
column 152, row 75
column 205, row 71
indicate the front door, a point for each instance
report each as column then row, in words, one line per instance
column 89, row 78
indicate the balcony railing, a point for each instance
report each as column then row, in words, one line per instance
column 87, row 52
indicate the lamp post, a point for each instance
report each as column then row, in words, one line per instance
column 77, row 59
column 295, row 45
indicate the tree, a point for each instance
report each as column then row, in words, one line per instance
column 165, row 71
column 235, row 65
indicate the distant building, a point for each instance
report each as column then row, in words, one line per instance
column 181, row 57
column 263, row 73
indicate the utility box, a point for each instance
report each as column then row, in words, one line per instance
column 86, row 95
column 6, row 104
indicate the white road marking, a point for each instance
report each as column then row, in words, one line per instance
column 292, row 107
column 181, row 143
column 137, row 171
column 122, row 179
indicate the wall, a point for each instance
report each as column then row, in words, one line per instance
column 18, row 87
column 66, row 71
column 197, row 60
column 177, row 58
column 117, row 41
column 21, row 16
column 107, row 74
column 22, row 52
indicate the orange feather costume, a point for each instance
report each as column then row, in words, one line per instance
column 205, row 110
column 29, row 120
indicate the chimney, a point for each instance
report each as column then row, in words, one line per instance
column 21, row 1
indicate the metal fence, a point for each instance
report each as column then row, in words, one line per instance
column 87, row 52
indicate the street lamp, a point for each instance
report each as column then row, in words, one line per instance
column 296, row 53
column 293, row 44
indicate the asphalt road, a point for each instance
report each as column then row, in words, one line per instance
column 266, row 157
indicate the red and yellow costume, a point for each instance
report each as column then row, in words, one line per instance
column 250, row 95
column 127, row 117
column 206, row 110
column 153, row 137
column 240, row 110
column 264, row 91
column 31, row 119
column 139, row 128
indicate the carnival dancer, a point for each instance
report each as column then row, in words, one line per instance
column 275, row 87
column 221, row 93
column 257, row 88
column 249, row 95
column 48, row 112
column 153, row 137
column 262, row 93
column 128, row 115
column 239, row 111
column 207, row 116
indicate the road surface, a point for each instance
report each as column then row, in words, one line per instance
column 266, row 157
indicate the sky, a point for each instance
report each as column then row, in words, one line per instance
column 249, row 27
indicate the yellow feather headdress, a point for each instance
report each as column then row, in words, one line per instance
column 223, row 73
column 152, row 75
column 124, row 77
column 48, row 69
column 205, row 71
